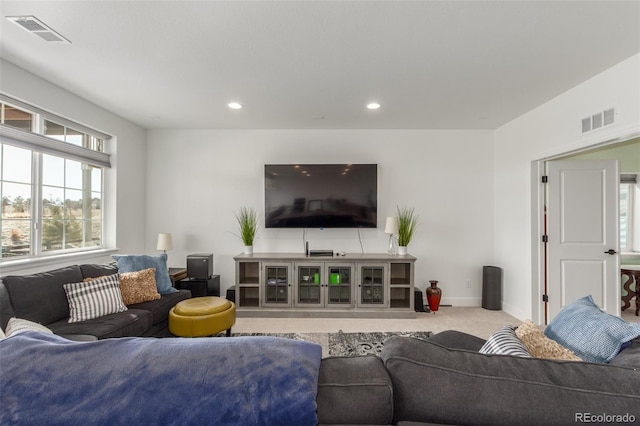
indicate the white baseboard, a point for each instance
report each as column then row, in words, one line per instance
column 462, row 301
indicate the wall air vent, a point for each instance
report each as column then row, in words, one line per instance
column 37, row 27
column 596, row 121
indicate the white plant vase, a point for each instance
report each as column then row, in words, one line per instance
column 248, row 249
column 402, row 250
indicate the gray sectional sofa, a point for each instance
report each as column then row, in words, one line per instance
column 442, row 380
column 274, row 381
column 41, row 298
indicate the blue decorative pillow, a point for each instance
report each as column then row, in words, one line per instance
column 140, row 262
column 505, row 342
column 591, row 333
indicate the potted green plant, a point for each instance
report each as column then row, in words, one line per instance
column 407, row 222
column 248, row 223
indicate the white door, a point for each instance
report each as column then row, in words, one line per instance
column 582, row 229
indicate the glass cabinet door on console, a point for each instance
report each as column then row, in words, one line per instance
column 372, row 286
column 340, row 286
column 309, row 281
column 277, row 285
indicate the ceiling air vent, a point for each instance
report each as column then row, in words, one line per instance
column 596, row 121
column 37, row 27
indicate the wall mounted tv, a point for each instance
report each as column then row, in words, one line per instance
column 321, row 195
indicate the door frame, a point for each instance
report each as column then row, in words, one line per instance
column 538, row 200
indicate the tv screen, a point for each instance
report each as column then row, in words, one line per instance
column 321, row 195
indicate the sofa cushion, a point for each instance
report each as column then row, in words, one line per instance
column 132, row 322
column 589, row 332
column 19, row 325
column 454, row 339
column 28, row 292
column 160, row 308
column 629, row 357
column 90, row 270
column 94, row 299
column 432, row 383
column 505, row 342
column 138, row 287
column 138, row 262
column 354, row 390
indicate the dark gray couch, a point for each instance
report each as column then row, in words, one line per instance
column 42, row 299
column 445, row 380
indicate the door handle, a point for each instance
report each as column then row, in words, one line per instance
column 611, row 252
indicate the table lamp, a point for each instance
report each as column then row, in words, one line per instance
column 391, row 228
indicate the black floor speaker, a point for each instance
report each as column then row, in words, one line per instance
column 492, row 288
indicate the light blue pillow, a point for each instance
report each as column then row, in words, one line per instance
column 591, row 333
column 139, row 262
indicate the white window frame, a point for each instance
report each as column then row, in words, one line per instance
column 39, row 144
column 628, row 247
column 633, row 209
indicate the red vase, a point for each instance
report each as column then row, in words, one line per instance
column 434, row 294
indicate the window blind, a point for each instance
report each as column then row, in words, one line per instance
column 41, row 143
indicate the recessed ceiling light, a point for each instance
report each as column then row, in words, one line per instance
column 234, row 105
column 373, row 105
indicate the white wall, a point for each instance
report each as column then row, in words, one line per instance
column 549, row 130
column 125, row 182
column 197, row 179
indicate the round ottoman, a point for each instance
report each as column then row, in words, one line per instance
column 202, row 316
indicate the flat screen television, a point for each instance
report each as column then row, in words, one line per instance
column 321, row 195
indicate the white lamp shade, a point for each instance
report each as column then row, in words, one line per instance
column 391, row 226
column 165, row 242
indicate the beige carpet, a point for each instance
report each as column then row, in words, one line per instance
column 477, row 321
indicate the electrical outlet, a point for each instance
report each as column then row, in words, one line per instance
column 468, row 283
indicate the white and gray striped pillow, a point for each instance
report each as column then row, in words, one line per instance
column 94, row 299
column 505, row 342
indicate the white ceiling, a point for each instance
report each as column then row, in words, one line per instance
column 315, row 64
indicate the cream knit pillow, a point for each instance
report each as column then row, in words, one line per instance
column 540, row 346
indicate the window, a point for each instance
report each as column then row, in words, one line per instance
column 628, row 211
column 51, row 184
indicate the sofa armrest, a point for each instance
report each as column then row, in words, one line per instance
column 354, row 390
column 6, row 310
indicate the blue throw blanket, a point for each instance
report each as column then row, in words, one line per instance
column 46, row 379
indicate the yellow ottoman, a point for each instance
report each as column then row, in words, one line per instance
column 202, row 316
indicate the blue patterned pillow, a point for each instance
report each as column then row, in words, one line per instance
column 140, row 262
column 505, row 342
column 589, row 332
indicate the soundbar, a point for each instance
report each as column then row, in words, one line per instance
column 321, row 253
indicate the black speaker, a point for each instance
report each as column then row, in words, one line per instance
column 492, row 288
column 202, row 287
column 200, row 265
column 418, row 302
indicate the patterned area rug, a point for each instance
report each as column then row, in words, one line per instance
column 345, row 344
